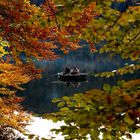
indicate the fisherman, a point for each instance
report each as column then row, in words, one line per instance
column 75, row 70
column 67, row 70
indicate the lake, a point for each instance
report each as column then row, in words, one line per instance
column 39, row 93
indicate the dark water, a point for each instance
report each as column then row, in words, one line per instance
column 39, row 93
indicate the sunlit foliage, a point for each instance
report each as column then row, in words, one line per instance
column 11, row 78
column 30, row 29
column 25, row 30
column 113, row 111
column 37, row 32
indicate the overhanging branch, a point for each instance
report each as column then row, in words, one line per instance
column 111, row 26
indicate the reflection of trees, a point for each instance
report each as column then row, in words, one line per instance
column 39, row 93
column 84, row 60
column 114, row 111
column 72, row 83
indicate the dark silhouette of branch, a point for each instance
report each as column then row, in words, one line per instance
column 111, row 26
column 58, row 26
column 135, row 37
column 120, row 114
column 4, row 14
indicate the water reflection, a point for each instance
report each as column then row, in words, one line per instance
column 39, row 93
column 74, row 84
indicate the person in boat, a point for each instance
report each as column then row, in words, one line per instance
column 67, row 70
column 75, row 70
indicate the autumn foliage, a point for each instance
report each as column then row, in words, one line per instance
column 37, row 32
column 25, row 29
column 114, row 111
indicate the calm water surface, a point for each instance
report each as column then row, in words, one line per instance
column 39, row 93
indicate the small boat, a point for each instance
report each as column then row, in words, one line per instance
column 72, row 77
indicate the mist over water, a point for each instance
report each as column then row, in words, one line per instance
column 39, row 93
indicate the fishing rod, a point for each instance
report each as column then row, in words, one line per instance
column 52, row 75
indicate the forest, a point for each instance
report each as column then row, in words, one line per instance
column 34, row 31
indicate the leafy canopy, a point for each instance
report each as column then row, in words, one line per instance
column 114, row 111
column 60, row 24
column 24, row 29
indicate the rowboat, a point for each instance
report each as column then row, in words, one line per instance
column 72, row 77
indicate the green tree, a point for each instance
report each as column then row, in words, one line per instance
column 112, row 111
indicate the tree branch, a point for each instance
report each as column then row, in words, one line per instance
column 111, row 26
column 120, row 114
column 58, row 26
column 135, row 37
